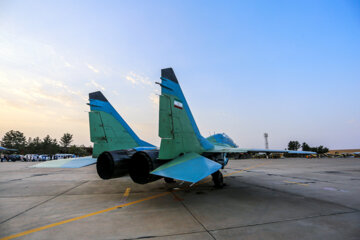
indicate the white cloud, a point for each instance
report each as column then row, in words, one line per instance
column 92, row 68
column 67, row 64
column 41, row 88
column 37, row 92
column 63, row 86
column 44, row 92
column 138, row 79
column 354, row 122
column 154, row 98
column 95, row 84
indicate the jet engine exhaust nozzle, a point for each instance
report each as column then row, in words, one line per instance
column 113, row 164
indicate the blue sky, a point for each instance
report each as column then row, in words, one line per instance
column 289, row 68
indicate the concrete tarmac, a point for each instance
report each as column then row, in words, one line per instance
column 263, row 199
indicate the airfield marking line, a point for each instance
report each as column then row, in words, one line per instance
column 45, row 201
column 176, row 197
column 82, row 217
column 109, row 209
column 127, row 192
column 302, row 184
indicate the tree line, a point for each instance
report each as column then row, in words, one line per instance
column 295, row 145
column 47, row 145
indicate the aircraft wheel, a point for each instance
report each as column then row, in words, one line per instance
column 218, row 179
column 169, row 180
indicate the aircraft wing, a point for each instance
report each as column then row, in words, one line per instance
column 67, row 163
column 278, row 151
column 7, row 149
column 221, row 149
column 190, row 167
column 254, row 150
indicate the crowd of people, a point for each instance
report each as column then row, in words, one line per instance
column 33, row 157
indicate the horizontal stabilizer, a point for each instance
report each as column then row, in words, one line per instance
column 67, row 163
column 190, row 167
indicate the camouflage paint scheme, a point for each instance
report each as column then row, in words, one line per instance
column 108, row 130
column 184, row 153
column 181, row 141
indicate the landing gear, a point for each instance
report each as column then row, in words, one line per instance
column 218, row 179
column 169, row 180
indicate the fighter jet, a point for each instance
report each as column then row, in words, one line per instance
column 184, row 154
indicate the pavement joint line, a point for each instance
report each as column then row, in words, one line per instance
column 299, row 195
column 166, row 235
column 176, row 197
column 297, row 183
column 239, row 171
column 197, row 220
column 101, row 211
column 45, row 201
column 184, row 205
column 77, row 194
column 285, row 220
column 33, row 175
column 301, row 178
column 82, row 217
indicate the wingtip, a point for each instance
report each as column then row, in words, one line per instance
column 98, row 96
column 169, row 73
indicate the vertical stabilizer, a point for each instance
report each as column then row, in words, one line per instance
column 108, row 130
column 177, row 128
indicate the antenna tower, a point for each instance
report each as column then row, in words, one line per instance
column 266, row 140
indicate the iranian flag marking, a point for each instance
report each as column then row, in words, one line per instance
column 178, row 104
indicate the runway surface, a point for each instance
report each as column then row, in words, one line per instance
column 263, row 199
